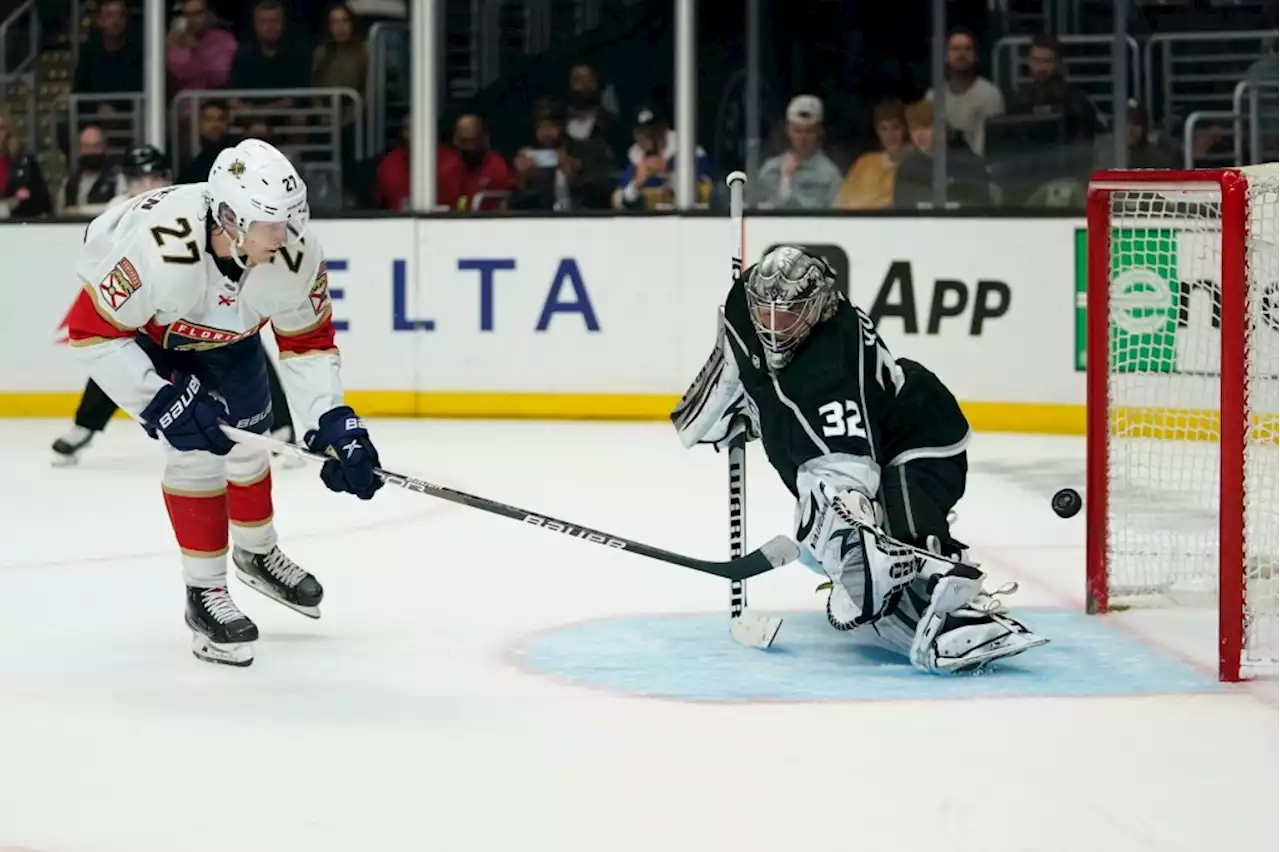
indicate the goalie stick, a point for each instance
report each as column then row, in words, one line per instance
column 775, row 553
column 749, row 628
column 745, row 626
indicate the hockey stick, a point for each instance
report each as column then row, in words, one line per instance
column 775, row 553
column 737, row 182
column 746, row 627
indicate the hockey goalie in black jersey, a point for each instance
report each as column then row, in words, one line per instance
column 872, row 447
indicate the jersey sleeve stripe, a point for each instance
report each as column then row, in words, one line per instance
column 324, row 319
column 868, row 421
column 316, row 340
column 286, row 355
column 87, row 289
column 87, row 322
column 808, row 430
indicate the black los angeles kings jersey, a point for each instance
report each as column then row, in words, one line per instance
column 843, row 394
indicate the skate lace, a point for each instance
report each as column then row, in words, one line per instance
column 219, row 604
column 284, row 569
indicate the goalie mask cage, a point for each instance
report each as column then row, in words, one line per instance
column 1182, row 364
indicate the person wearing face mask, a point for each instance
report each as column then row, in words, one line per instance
column 94, row 182
column 588, row 119
column 469, row 168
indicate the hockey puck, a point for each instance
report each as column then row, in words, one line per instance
column 1066, row 503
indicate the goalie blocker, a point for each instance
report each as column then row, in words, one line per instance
column 873, row 449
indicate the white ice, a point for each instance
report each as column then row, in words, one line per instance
column 399, row 721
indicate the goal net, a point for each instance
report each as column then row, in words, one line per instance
column 1183, row 394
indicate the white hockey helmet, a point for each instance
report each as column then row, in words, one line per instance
column 253, row 182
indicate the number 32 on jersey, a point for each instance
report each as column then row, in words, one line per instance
column 842, row 420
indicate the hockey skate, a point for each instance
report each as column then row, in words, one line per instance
column 67, row 449
column 220, row 632
column 279, row 578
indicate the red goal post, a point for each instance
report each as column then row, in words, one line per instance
column 1182, row 363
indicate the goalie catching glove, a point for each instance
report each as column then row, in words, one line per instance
column 716, row 409
column 916, row 602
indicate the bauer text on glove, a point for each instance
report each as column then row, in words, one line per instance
column 343, row 437
column 188, row 416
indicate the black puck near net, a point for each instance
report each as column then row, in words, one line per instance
column 1067, row 503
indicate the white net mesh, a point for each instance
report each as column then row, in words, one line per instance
column 1165, row 359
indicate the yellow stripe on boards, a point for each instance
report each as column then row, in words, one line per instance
column 984, row 416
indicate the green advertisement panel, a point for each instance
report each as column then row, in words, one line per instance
column 1144, row 300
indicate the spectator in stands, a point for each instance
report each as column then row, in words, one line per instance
column 588, row 118
column 271, row 59
column 391, row 189
column 559, row 172
column 341, row 61
column 1049, row 92
column 1146, row 149
column 647, row 179
column 967, row 181
column 23, row 192
column 110, row 60
column 971, row 99
column 869, row 183
column 342, row 57
column 96, row 181
column 470, row 169
column 198, row 54
column 215, row 136
column 803, row 177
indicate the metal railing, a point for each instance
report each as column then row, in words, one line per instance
column 1261, row 112
column 1198, row 71
column 1086, row 62
column 312, row 130
column 384, row 39
column 122, row 127
column 1189, row 158
column 21, row 30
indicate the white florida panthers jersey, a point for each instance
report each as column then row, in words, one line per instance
column 146, row 268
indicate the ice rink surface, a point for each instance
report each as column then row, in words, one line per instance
column 479, row 685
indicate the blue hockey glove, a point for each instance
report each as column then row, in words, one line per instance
column 342, row 436
column 188, row 417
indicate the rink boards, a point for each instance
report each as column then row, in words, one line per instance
column 612, row 317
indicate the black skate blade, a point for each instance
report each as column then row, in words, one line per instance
column 254, row 583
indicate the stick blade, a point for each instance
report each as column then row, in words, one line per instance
column 755, row 630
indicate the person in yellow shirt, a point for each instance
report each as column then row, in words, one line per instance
column 869, row 182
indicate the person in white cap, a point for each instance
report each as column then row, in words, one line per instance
column 803, row 177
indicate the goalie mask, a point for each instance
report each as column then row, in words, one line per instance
column 789, row 292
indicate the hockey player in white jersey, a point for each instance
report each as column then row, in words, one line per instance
column 177, row 284
column 145, row 169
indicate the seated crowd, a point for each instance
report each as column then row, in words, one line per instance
column 1034, row 145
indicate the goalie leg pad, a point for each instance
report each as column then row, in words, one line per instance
column 949, row 592
column 966, row 640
